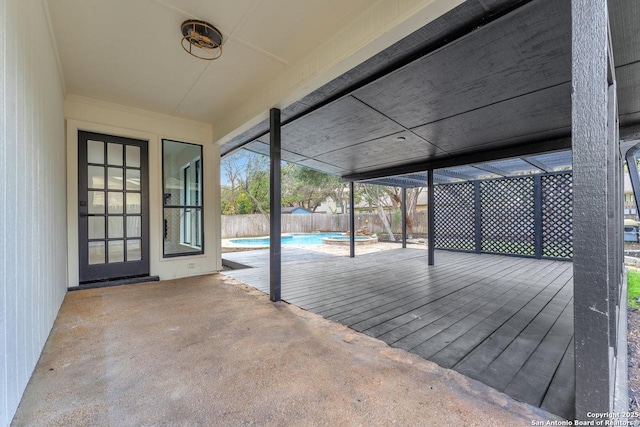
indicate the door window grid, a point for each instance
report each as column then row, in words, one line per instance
column 116, row 213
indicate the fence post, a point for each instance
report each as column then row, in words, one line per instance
column 537, row 215
column 477, row 209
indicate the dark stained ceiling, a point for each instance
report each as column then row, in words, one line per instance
column 488, row 77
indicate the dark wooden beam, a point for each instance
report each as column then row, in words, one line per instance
column 464, row 159
column 275, row 219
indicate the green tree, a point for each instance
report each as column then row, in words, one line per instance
column 247, row 188
column 378, row 196
column 306, row 187
column 387, row 200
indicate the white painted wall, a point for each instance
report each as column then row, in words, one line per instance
column 33, row 276
column 114, row 119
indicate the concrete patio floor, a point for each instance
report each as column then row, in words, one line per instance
column 211, row 351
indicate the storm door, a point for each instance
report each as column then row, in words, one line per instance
column 113, row 209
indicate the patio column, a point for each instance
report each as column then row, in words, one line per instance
column 352, row 221
column 431, row 232
column 594, row 145
column 404, row 217
column 275, row 244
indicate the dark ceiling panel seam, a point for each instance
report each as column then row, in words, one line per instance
column 425, row 51
column 396, row 122
column 314, row 157
column 492, row 104
column 627, row 64
column 320, row 161
column 284, row 152
column 283, row 148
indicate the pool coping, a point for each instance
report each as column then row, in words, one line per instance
column 227, row 243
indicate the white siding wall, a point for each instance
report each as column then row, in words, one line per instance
column 33, row 236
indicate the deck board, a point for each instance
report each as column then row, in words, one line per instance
column 505, row 321
column 460, row 347
column 418, row 332
column 535, row 376
column 560, row 395
column 484, row 290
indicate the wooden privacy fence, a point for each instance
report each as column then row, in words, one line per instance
column 258, row 225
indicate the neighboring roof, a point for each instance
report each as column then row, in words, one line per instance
column 496, row 87
column 294, row 210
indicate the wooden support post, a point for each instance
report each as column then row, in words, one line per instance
column 352, row 220
column 431, row 232
column 404, row 217
column 275, row 220
column 591, row 226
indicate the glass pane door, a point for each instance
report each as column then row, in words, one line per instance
column 113, row 207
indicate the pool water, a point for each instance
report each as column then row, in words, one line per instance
column 294, row 239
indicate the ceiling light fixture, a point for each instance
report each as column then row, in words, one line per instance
column 201, row 39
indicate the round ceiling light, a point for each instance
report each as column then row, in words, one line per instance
column 201, row 39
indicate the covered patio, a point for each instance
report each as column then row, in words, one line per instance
column 524, row 82
column 388, row 92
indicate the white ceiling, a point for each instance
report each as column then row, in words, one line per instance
column 128, row 51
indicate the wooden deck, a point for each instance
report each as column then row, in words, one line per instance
column 504, row 321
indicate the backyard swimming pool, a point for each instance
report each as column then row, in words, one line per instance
column 294, row 239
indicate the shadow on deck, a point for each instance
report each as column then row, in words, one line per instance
column 504, row 321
